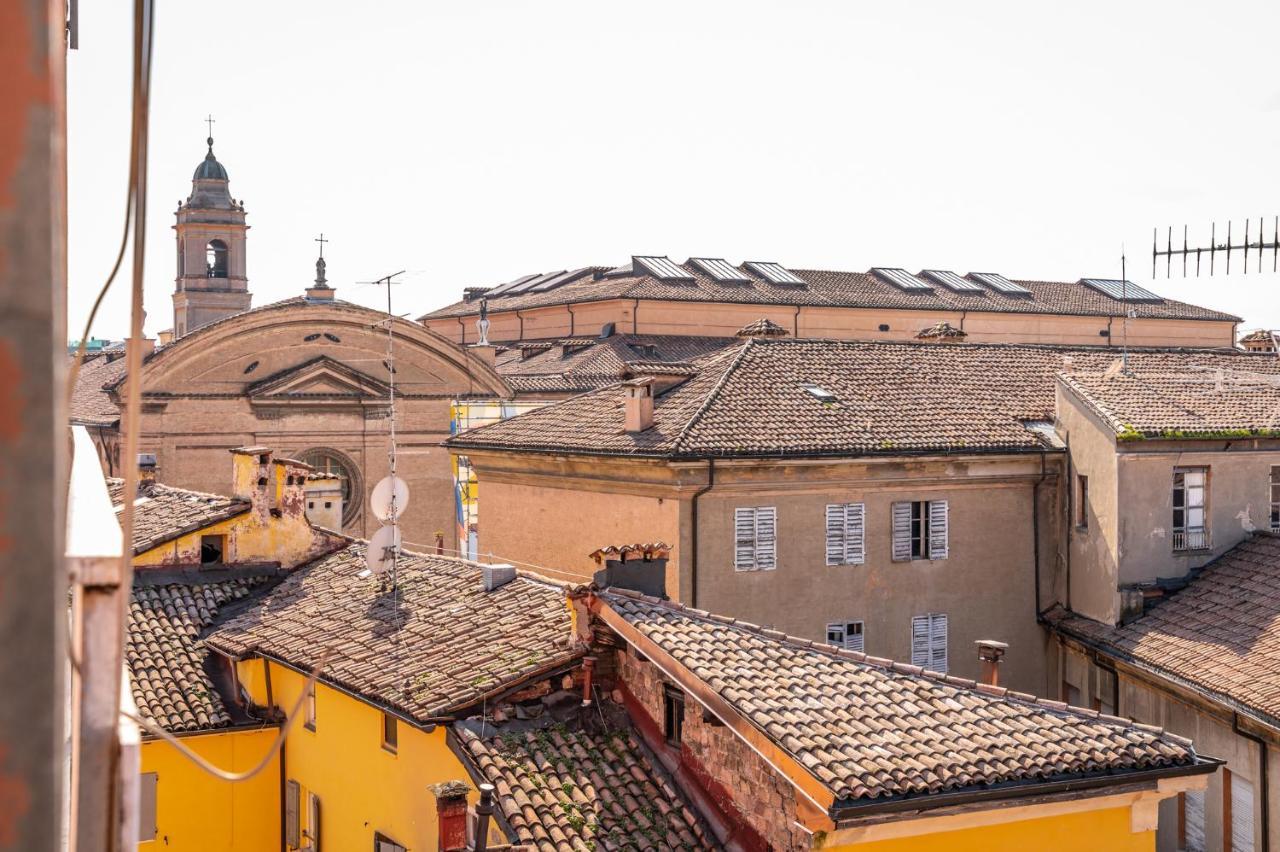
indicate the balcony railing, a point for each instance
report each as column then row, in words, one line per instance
column 1191, row 540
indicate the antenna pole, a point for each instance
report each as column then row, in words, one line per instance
column 391, row 399
column 1124, row 328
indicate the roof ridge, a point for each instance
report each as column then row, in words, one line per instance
column 886, row 664
column 1081, row 393
column 117, row 480
column 678, row 444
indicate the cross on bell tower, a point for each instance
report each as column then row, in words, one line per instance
column 212, row 281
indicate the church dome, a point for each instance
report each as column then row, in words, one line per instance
column 210, row 169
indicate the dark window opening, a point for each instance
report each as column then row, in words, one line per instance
column 328, row 504
column 390, row 732
column 216, row 259
column 673, row 714
column 884, row 326
column 382, row 843
column 211, row 547
column 311, row 504
column 1082, row 501
column 919, row 530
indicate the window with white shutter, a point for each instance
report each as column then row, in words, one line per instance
column 1275, row 498
column 845, row 534
column 755, row 538
column 1193, row 821
column 292, row 829
column 920, row 530
column 1241, row 814
column 929, row 641
column 845, row 634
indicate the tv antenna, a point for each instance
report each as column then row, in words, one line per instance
column 1261, row 245
column 391, row 495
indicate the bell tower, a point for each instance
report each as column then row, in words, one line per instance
column 211, row 281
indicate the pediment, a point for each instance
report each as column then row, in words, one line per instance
column 321, row 377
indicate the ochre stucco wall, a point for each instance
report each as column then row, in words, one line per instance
column 196, row 812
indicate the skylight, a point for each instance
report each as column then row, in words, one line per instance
column 901, row 278
column 819, row 393
column 774, row 273
column 998, row 282
column 1121, row 291
column 662, row 268
column 951, row 281
column 719, row 269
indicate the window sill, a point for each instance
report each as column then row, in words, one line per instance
column 309, row 726
column 390, row 749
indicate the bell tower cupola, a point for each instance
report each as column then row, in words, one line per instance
column 212, row 282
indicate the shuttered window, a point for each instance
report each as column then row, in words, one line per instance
column 313, row 822
column 292, row 831
column 1190, row 522
column 845, row 534
column 1193, row 821
column 382, row 843
column 755, row 538
column 929, row 641
column 920, row 530
column 147, row 806
column 1275, row 498
column 845, row 634
column 1241, row 814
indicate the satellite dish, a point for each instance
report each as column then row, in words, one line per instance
column 380, row 499
column 377, row 558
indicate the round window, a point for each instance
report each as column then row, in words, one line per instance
column 331, row 461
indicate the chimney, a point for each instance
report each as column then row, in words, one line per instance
column 251, row 478
column 470, row 294
column 497, row 575
column 289, row 491
column 165, row 335
column 637, row 404
column 451, row 814
column 485, row 352
column 639, row 567
column 146, row 472
column 989, row 653
column 323, row 493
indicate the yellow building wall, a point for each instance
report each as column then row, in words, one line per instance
column 289, row 540
column 196, row 812
column 362, row 787
column 1105, row 829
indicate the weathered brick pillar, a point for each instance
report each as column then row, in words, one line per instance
column 451, row 814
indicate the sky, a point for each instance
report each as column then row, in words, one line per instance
column 471, row 143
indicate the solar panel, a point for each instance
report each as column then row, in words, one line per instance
column 901, row 277
column 562, row 278
column 774, row 273
column 1121, row 291
column 719, row 269
column 996, row 281
column 504, row 288
column 951, row 281
column 528, row 286
column 663, row 268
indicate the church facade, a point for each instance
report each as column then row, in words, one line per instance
column 307, row 376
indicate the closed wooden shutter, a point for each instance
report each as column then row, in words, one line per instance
column 835, row 534
column 937, row 529
column 920, row 641
column 1241, row 814
column 147, row 806
column 766, row 538
column 291, row 828
column 313, row 822
column 1193, row 820
column 744, row 531
column 901, row 532
column 938, row 642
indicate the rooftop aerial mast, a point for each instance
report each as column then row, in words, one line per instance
column 1248, row 244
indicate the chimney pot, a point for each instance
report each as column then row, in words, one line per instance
column 989, row 654
column 146, row 472
column 637, row 397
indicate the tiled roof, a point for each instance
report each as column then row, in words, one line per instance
column 1205, row 401
column 888, row 399
column 869, row 729
column 165, row 513
column 166, row 657
column 941, row 330
column 842, row 289
column 437, row 644
column 560, row 789
column 658, row 549
column 573, row 365
column 90, row 403
column 763, row 327
column 1220, row 634
column 1260, row 334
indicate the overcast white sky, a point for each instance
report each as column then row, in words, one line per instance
column 474, row 142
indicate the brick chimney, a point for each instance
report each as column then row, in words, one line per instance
column 639, row 567
column 451, row 814
column 637, row 399
column 989, row 653
column 289, row 492
column 146, row 472
column 486, row 353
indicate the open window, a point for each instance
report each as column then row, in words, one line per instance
column 673, row 715
column 212, row 549
column 390, row 732
column 215, row 259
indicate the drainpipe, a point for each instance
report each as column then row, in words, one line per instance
column 521, row 337
column 635, row 316
column 795, row 322
column 1263, row 786
column 569, row 308
column 693, row 556
column 964, row 313
column 463, row 326
column 484, row 810
column 588, row 666
column 1070, row 501
column 1109, row 321
column 1035, row 528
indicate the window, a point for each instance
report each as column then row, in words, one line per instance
column 1190, row 530
column 310, row 722
column 390, row 732
column 1191, row 821
column 845, row 634
column 1082, row 502
column 673, row 714
column 1238, row 803
column 215, row 259
column 211, row 547
column 147, row 829
column 313, row 822
column 755, row 539
column 920, row 530
column 382, row 843
column 1275, row 498
column 845, row 540
column 929, row 641
column 292, row 831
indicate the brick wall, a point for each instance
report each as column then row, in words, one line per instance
column 748, row 792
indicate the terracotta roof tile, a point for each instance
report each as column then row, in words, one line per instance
column 91, row 405
column 573, row 365
column 1220, row 634
column 164, row 513
column 763, row 327
column 886, row 398
column 439, row 643
column 871, row 729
